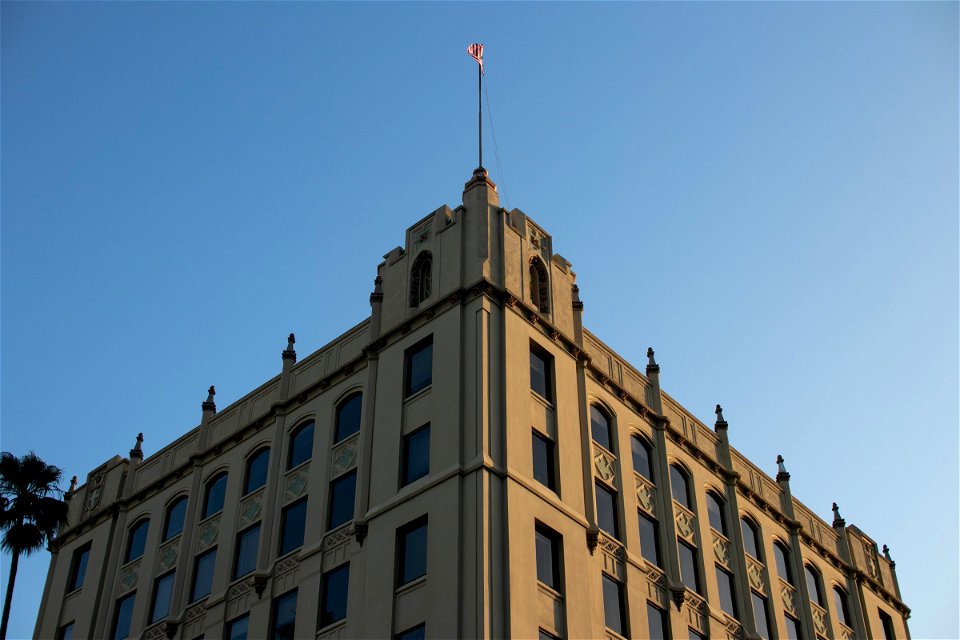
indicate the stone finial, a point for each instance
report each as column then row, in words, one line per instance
column 377, row 294
column 575, row 292
column 652, row 366
column 886, row 553
column 73, row 485
column 137, row 451
column 782, row 474
column 720, row 423
column 838, row 521
column 209, row 404
column 290, row 353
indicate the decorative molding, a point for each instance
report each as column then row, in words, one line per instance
column 756, row 574
column 721, row 549
column 251, row 508
column 336, row 538
column 295, row 483
column 646, row 494
column 788, row 595
column 605, row 465
column 129, row 576
column 819, row 619
column 209, row 532
column 685, row 521
column 167, row 556
column 344, row 456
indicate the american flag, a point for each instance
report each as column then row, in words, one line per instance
column 476, row 52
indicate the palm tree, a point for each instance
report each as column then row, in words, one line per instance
column 30, row 515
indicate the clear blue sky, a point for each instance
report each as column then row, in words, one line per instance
column 765, row 193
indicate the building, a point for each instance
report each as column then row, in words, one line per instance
column 469, row 461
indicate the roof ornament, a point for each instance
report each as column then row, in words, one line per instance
column 575, row 292
column 838, row 521
column 721, row 423
column 209, row 404
column 886, row 554
column 782, row 473
column 377, row 294
column 650, row 361
column 290, row 353
column 137, row 451
column 73, row 485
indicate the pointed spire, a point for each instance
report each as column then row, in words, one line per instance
column 838, row 521
column 782, row 474
column 720, row 423
column 209, row 404
column 137, row 452
column 652, row 366
column 289, row 353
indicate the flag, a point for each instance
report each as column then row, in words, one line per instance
column 476, row 52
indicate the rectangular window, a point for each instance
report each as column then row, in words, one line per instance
column 761, row 615
column 65, row 632
column 543, row 465
column 725, row 586
column 793, row 628
column 657, row 623
column 342, row 493
column 688, row 567
column 284, row 616
column 418, row 632
column 203, row 574
column 293, row 520
column 238, row 627
column 416, row 455
column 545, row 635
column 613, row 611
column 247, row 544
column 412, row 551
column 607, row 511
column 694, row 635
column 549, row 552
column 333, row 606
column 418, row 366
column 887, row 623
column 649, row 539
column 541, row 372
column 78, row 567
column 123, row 616
column 162, row 593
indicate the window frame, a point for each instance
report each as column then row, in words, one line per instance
column 679, row 473
column 326, row 590
column 607, row 426
column 812, row 573
column 749, row 530
column 539, row 280
column 197, row 559
column 214, row 480
column 336, row 496
column 647, row 449
column 243, row 537
column 78, row 566
column 614, row 508
column 409, row 387
column 168, row 517
column 655, row 528
column 421, row 287
column 284, row 524
column 279, row 600
column 253, row 459
column 694, row 565
column 405, row 454
column 554, row 543
column 119, row 605
column 348, row 400
column 611, row 582
column 549, row 455
column 403, row 546
column 716, row 506
column 140, row 525
column 546, row 359
column 294, row 461
column 168, row 579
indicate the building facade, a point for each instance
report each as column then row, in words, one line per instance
column 467, row 462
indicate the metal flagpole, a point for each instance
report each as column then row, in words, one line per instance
column 480, row 113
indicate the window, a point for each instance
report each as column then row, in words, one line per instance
column 173, row 521
column 418, row 632
column 256, row 471
column 342, row 492
column 65, row 632
column 293, row 521
column 840, row 599
column 641, row 457
column 420, row 278
column 301, row 445
column 813, row 585
column 613, row 613
column 416, row 455
column 284, row 616
column 782, row 558
column 725, row 586
column 657, row 623
column 600, row 428
column 543, row 462
column 541, row 372
column 78, row 567
column 412, row 551
column 649, row 539
column 887, row 623
column 549, row 552
column 203, row 574
column 793, row 628
column 678, row 486
column 418, row 366
column 333, row 606
column 348, row 416
column 123, row 616
column 137, row 540
column 539, row 285
column 216, row 492
column 237, row 628
column 248, row 542
column 162, row 593
column 607, row 511
column 715, row 513
column 693, row 635
column 750, row 536
column 760, row 615
column 688, row 567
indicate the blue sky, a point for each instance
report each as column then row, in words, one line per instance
column 765, row 193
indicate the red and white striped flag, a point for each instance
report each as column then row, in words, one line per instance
column 476, row 52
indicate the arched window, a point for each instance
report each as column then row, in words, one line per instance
column 641, row 457
column 137, row 540
column 216, row 492
column 715, row 512
column 840, row 599
column 678, row 486
column 782, row 557
column 256, row 475
column 348, row 417
column 813, row 584
column 750, row 537
column 600, row 427
column 539, row 285
column 176, row 514
column 421, row 278
column 301, row 445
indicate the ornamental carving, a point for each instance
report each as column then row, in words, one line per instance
column 646, row 494
column 336, row 538
column 756, row 574
column 685, row 523
column 209, row 531
column 94, row 491
column 238, row 590
column 287, row 564
column 819, row 619
column 129, row 576
column 789, row 598
column 250, row 509
column 870, row 553
column 721, row 549
column 846, row 633
column 295, row 483
column 195, row 612
column 167, row 556
column 605, row 465
column 344, row 457
column 155, row 632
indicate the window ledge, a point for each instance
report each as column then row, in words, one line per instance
column 411, row 586
column 418, row 394
column 539, row 398
column 74, row 592
column 333, row 626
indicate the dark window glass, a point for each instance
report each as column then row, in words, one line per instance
column 176, row 514
column 840, row 599
column 162, row 592
column 607, row 511
column 203, row 574
column 600, row 427
column 657, row 623
column 65, row 632
column 887, row 623
column 418, row 632
column 548, row 558
column 793, row 628
column 123, row 616
column 781, row 556
column 333, row 607
column 649, row 539
column 541, row 381
column 641, row 457
column 247, row 544
column 412, row 551
column 678, row 486
column 694, row 635
column 813, row 585
column 237, row 628
column 416, row 455
column 725, row 586
column 688, row 567
column 137, row 540
column 292, row 523
column 342, row 492
column 216, row 492
column 78, row 567
column 420, row 278
column 749, row 538
column 348, row 417
column 419, row 366
column 256, row 471
column 543, row 471
column 539, row 285
column 613, row 613
column 284, row 616
column 761, row 615
column 715, row 513
column 301, row 445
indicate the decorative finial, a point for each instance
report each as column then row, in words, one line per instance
column 650, row 361
column 377, row 294
column 721, row 423
column 137, row 451
column 289, row 353
column 838, row 521
column 209, row 404
column 781, row 470
column 212, row 391
column 73, row 485
column 886, row 554
column 575, row 292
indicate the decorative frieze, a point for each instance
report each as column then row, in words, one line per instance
column 695, row 610
column 344, row 457
column 756, row 574
column 295, row 483
column 209, row 532
column 156, row 632
column 646, row 494
column 251, row 508
column 613, row 556
column 721, row 549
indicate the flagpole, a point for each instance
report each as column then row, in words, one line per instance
column 480, row 113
